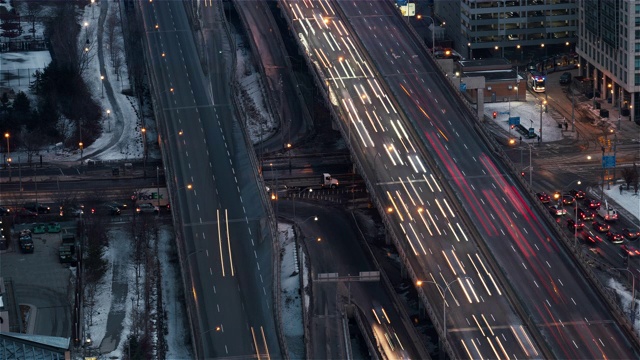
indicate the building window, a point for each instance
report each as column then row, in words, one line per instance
column 637, row 79
column 637, row 63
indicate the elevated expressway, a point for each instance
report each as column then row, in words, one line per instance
column 420, row 213
column 222, row 236
column 399, row 116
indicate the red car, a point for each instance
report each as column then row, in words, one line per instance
column 589, row 238
column 629, row 250
column 629, row 234
column 578, row 194
column 615, row 237
column 585, row 215
column 571, row 224
column 600, row 227
column 543, row 197
column 592, row 203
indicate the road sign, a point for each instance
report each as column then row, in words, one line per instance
column 402, row 2
column 609, row 161
column 504, row 113
column 463, row 87
column 514, row 120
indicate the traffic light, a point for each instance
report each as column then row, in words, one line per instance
column 522, row 173
column 495, row 114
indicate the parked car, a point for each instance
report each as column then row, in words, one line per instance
column 578, row 194
column 585, row 215
column 39, row 229
column 24, row 213
column 571, row 224
column 105, row 209
column 147, row 208
column 615, row 237
column 629, row 250
column 565, row 78
column 591, row 203
column 37, row 208
column 53, row 227
column 600, row 227
column 543, row 197
column 630, row 234
column 26, row 244
column 557, row 210
column 122, row 205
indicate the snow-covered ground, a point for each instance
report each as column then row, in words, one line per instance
column 291, row 268
column 529, row 113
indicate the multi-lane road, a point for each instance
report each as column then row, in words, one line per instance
column 572, row 319
column 226, row 253
column 439, row 244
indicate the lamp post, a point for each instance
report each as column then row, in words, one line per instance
column 444, row 303
column 102, row 82
column 7, row 136
column 433, row 33
column 144, row 151
column 92, row 12
column 542, row 105
column 575, row 201
column 81, row 151
column 109, row 119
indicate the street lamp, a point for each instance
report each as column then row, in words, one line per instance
column 81, row 151
column 543, row 103
column 444, row 303
column 575, row 201
column 433, row 33
column 293, row 199
column 102, row 82
column 108, row 119
column 144, row 151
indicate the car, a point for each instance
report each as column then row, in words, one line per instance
column 4, row 211
column 585, row 214
column 589, row 238
column 630, row 234
column 147, row 208
column 557, row 210
column 600, row 227
column 565, row 78
column 573, row 225
column 72, row 211
column 26, row 244
column 24, row 213
column 122, row 205
column 37, row 208
column 53, row 227
column 568, row 199
column 105, row 209
column 629, row 250
column 591, row 203
column 39, row 229
column 543, row 197
column 614, row 237
column 578, row 194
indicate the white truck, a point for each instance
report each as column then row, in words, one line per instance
column 607, row 212
column 328, row 182
column 155, row 196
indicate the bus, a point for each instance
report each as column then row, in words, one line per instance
column 535, row 81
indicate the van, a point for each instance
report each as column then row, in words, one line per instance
column 607, row 212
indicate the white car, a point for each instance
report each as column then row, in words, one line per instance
column 147, row 208
column 557, row 210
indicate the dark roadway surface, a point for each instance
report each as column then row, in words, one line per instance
column 570, row 315
column 227, row 259
column 340, row 251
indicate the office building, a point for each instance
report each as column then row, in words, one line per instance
column 516, row 29
column 609, row 51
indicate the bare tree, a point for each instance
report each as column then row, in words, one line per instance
column 117, row 61
column 630, row 175
column 32, row 12
column 112, row 26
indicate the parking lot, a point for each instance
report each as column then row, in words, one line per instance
column 41, row 281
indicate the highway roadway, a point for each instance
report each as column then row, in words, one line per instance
column 571, row 316
column 226, row 252
column 454, row 274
